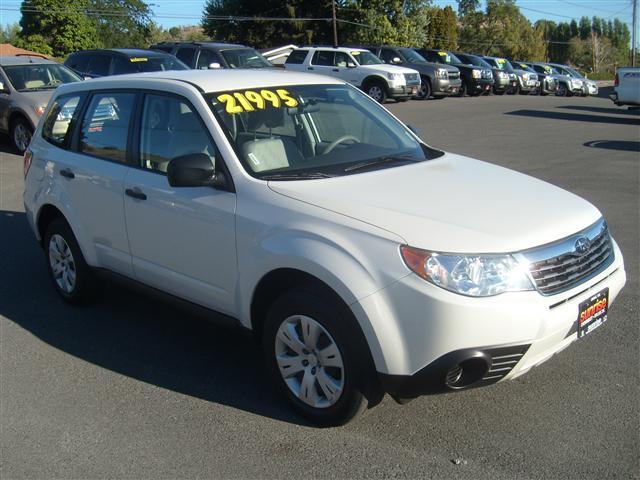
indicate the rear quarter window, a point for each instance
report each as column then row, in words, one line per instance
column 57, row 125
column 297, row 56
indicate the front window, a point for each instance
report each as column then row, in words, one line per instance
column 411, row 55
column 39, row 76
column 312, row 131
column 245, row 58
column 366, row 58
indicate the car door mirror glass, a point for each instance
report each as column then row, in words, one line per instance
column 192, row 170
column 351, row 65
column 214, row 65
column 2, row 88
column 396, row 60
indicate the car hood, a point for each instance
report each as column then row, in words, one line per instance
column 37, row 98
column 382, row 67
column 451, row 204
column 425, row 65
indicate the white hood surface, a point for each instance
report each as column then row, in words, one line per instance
column 452, row 204
column 383, row 67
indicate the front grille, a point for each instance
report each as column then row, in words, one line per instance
column 487, row 74
column 503, row 360
column 533, row 76
column 454, row 75
column 412, row 78
column 562, row 265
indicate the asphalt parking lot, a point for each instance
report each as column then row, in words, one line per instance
column 130, row 388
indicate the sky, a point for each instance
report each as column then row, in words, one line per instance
column 170, row 13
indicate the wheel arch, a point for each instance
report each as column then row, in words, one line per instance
column 374, row 78
column 17, row 113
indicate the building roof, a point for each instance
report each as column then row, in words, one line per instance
column 6, row 49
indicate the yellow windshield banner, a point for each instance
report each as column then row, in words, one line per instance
column 138, row 59
column 250, row 100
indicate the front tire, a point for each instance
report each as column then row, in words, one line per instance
column 377, row 91
column 312, row 356
column 21, row 133
column 71, row 276
column 425, row 89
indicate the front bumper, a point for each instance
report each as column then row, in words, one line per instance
column 480, row 84
column 403, row 91
column 445, row 86
column 428, row 330
column 501, row 83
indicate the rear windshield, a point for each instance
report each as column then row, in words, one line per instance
column 39, row 76
column 147, row 64
column 245, row 58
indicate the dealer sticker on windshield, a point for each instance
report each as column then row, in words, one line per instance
column 593, row 312
column 250, row 100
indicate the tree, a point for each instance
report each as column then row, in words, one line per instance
column 10, row 33
column 466, row 7
column 56, row 27
column 584, row 28
column 122, row 23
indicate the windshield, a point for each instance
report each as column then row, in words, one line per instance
column 477, row 61
column 449, row 58
column 366, row 58
column 313, row 131
column 412, row 56
column 524, row 66
column 575, row 73
column 245, row 58
column 39, row 76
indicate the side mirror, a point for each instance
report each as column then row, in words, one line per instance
column 194, row 170
column 351, row 65
column 87, row 77
column 396, row 60
column 2, row 88
column 415, row 131
column 214, row 65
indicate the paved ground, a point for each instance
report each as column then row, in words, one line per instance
column 131, row 389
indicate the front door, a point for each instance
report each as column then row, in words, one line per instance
column 182, row 239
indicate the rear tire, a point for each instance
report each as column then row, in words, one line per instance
column 313, row 357
column 71, row 276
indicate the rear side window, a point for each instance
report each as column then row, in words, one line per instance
column 98, row 65
column 57, row 125
column 323, row 57
column 105, row 126
column 78, row 63
column 297, row 56
column 186, row 54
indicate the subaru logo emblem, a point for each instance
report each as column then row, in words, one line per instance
column 582, row 245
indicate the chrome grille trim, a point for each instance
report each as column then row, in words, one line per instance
column 412, row 78
column 558, row 267
column 454, row 75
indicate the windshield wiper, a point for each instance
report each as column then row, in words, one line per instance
column 379, row 161
column 297, row 176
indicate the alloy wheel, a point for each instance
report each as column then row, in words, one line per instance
column 21, row 137
column 62, row 264
column 309, row 361
column 376, row 93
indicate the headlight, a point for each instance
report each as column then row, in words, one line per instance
column 476, row 73
column 395, row 76
column 503, row 75
column 441, row 73
column 472, row 275
column 40, row 110
column 525, row 76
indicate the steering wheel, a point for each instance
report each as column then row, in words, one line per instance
column 340, row 140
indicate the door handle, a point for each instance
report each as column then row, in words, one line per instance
column 65, row 172
column 309, row 68
column 135, row 193
column 335, row 70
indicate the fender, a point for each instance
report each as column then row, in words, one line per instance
column 374, row 77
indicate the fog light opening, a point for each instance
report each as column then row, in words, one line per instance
column 466, row 373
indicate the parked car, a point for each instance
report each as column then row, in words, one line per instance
column 568, row 85
column 359, row 67
column 26, row 84
column 296, row 207
column 501, row 80
column 527, row 80
column 589, row 87
column 118, row 61
column 437, row 80
column 546, row 76
column 475, row 80
column 627, row 87
column 204, row 55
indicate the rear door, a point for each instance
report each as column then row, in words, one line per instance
column 182, row 239
column 92, row 173
column 322, row 63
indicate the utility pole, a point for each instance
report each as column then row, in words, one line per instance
column 335, row 24
column 633, row 33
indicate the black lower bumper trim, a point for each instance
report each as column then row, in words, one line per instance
column 436, row 377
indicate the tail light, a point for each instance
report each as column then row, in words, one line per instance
column 617, row 80
column 28, row 156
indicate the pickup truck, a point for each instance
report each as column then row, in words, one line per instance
column 360, row 68
column 627, row 87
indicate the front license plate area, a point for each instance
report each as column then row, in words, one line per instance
column 593, row 312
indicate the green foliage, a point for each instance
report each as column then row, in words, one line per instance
column 126, row 23
column 442, row 30
column 9, row 33
column 56, row 27
column 466, row 7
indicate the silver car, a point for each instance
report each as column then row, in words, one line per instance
column 26, row 84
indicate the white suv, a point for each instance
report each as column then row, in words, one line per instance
column 293, row 205
column 358, row 67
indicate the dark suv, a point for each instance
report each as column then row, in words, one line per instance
column 438, row 80
column 204, row 55
column 118, row 61
column 475, row 80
